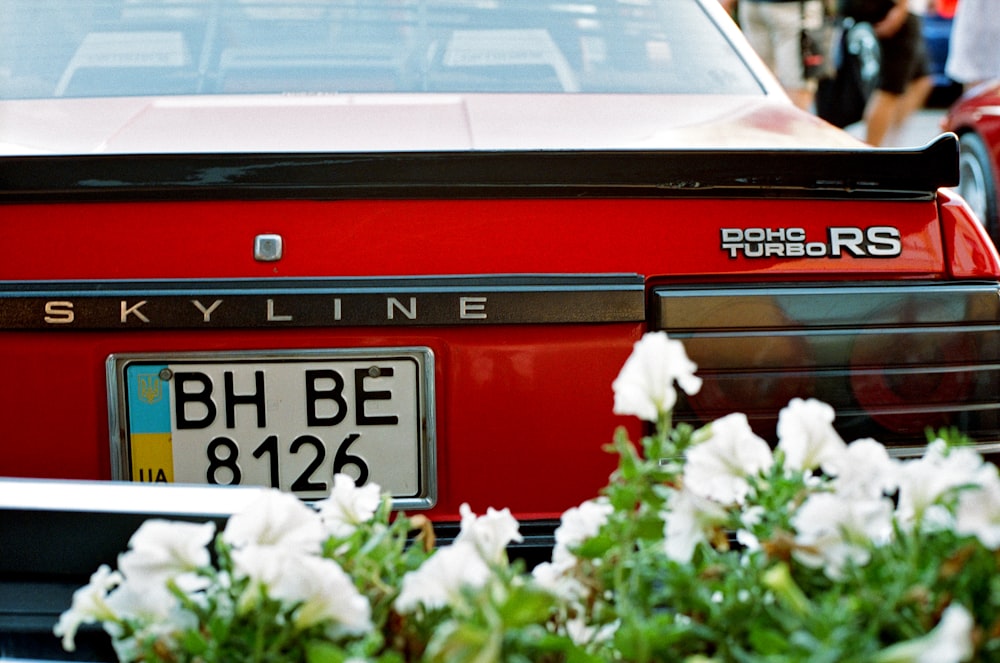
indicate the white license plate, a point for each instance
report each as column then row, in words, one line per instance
column 289, row 420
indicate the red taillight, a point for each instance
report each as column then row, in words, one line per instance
column 909, row 382
column 893, row 359
column 771, row 356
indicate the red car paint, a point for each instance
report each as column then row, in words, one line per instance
column 520, row 415
column 975, row 117
column 523, row 405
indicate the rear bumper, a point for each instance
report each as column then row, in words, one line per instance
column 57, row 533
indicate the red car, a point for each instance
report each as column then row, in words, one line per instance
column 975, row 117
column 260, row 242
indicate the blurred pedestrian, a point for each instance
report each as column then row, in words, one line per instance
column 774, row 29
column 904, row 81
column 974, row 46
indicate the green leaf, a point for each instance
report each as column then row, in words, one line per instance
column 318, row 651
column 194, row 643
column 526, row 605
column 465, row 643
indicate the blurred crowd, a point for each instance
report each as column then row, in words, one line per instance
column 774, row 28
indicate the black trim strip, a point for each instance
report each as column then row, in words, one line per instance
column 280, row 303
column 487, row 174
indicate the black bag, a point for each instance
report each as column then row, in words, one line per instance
column 865, row 11
column 841, row 100
column 818, row 50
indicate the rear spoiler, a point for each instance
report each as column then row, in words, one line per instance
column 862, row 172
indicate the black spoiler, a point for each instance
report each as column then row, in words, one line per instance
column 862, row 172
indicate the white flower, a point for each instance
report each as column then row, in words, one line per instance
column 718, row 467
column 750, row 518
column 583, row 633
column 157, row 612
column 557, row 579
column 154, row 612
column 348, row 505
column 578, row 524
column 329, row 595
column 276, row 519
column 924, row 481
column 490, row 534
column 978, row 510
column 325, row 591
column 645, row 386
column 864, row 469
column 89, row 606
column 949, row 642
column 440, row 580
column 806, row 434
column 690, row 520
column 162, row 550
column 266, row 567
column 833, row 531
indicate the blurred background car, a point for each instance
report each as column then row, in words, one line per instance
column 937, row 20
column 975, row 117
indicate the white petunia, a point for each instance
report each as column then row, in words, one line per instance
column 89, row 605
column 328, row 595
column 924, row 481
column 949, row 642
column 833, row 531
column 348, row 505
column 645, row 386
column 951, row 639
column 156, row 608
column 324, row 590
column 718, row 467
column 558, row 580
column 578, row 524
column 583, row 633
column 440, row 580
column 749, row 519
column 978, row 510
column 691, row 519
column 806, row 434
column 490, row 534
column 156, row 614
column 162, row 550
column 276, row 519
column 864, row 469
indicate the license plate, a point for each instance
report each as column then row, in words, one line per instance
column 284, row 419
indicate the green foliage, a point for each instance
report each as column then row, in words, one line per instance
column 706, row 546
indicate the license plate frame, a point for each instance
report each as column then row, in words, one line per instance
column 396, row 423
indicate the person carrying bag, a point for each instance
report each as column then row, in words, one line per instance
column 855, row 65
column 784, row 33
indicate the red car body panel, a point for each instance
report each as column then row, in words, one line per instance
column 979, row 110
column 538, row 418
column 400, row 238
column 495, row 199
column 522, row 408
column 964, row 239
column 975, row 117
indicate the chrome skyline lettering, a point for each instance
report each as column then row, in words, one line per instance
column 63, row 312
column 230, row 308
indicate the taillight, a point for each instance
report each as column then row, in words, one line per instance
column 892, row 359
